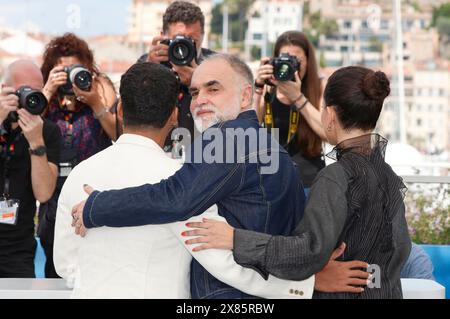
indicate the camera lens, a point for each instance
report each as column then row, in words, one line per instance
column 35, row 103
column 180, row 51
column 285, row 67
column 83, row 80
column 32, row 100
column 283, row 72
column 81, row 77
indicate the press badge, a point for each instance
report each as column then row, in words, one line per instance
column 9, row 211
column 65, row 169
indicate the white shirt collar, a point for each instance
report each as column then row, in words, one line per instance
column 139, row 140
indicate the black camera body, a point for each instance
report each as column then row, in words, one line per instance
column 80, row 76
column 284, row 67
column 182, row 51
column 31, row 100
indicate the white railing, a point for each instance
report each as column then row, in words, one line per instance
column 56, row 289
column 426, row 179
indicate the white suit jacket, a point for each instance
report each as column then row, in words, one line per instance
column 149, row 261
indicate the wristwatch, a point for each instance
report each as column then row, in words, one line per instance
column 40, row 151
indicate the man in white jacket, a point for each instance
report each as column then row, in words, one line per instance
column 148, row 261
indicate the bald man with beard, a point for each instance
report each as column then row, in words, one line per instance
column 28, row 169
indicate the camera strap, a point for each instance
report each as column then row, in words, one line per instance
column 268, row 117
column 68, row 139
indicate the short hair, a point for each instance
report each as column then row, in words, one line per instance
column 22, row 68
column 183, row 11
column 149, row 93
column 357, row 94
column 236, row 64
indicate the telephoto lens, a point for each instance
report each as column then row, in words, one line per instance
column 81, row 77
column 78, row 75
column 182, row 50
column 31, row 100
column 284, row 67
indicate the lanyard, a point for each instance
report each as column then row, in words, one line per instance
column 268, row 117
column 68, row 118
column 8, row 152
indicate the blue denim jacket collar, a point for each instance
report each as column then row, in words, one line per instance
column 248, row 115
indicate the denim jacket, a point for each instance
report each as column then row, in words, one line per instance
column 246, row 198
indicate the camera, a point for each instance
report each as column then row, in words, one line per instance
column 31, row 100
column 78, row 75
column 284, row 67
column 182, row 51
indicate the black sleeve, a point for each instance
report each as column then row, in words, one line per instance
column 53, row 141
column 143, row 58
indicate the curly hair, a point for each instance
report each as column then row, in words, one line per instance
column 183, row 11
column 65, row 46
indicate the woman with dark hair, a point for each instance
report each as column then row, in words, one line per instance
column 357, row 201
column 90, row 108
column 83, row 117
column 300, row 133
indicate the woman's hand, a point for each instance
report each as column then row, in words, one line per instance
column 99, row 95
column 56, row 78
column 289, row 89
column 265, row 72
column 213, row 234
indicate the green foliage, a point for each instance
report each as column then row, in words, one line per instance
column 443, row 25
column 415, row 4
column 375, row 45
column 319, row 27
column 237, row 17
column 255, row 53
column 217, row 19
column 441, row 11
column 322, row 60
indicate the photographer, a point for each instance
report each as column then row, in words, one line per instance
column 80, row 99
column 180, row 19
column 292, row 104
column 28, row 166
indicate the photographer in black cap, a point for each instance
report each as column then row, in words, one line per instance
column 28, row 166
column 183, row 22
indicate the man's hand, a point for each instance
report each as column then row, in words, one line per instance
column 9, row 102
column 32, row 127
column 342, row 276
column 77, row 214
column 158, row 52
column 185, row 72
